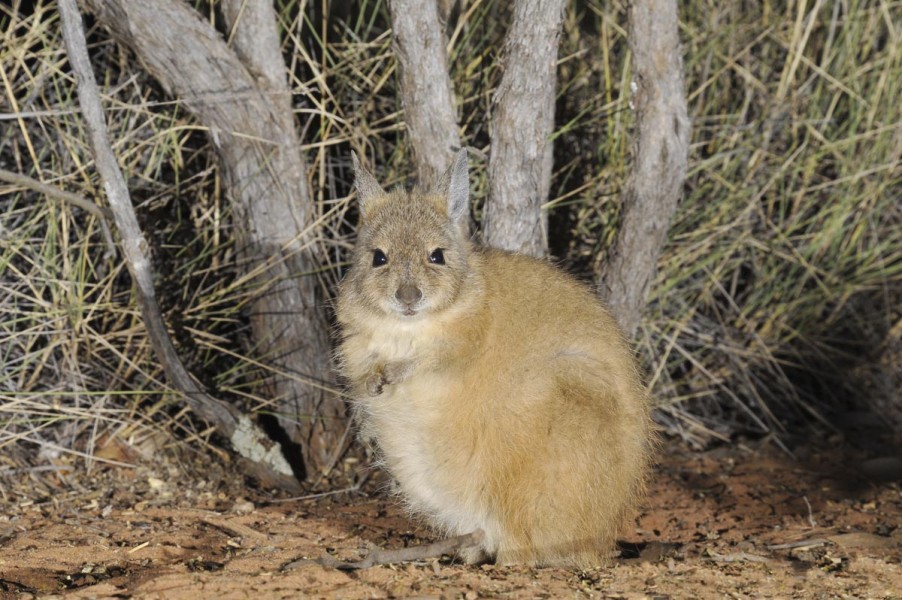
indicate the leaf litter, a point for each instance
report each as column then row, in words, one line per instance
column 723, row 523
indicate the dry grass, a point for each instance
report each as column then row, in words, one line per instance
column 782, row 275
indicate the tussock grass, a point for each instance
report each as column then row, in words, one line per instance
column 782, row 276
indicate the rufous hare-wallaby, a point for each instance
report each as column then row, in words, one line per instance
column 497, row 390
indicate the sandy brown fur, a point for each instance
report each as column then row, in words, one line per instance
column 511, row 402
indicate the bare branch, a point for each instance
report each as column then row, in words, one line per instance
column 426, row 88
column 522, row 123
column 223, row 416
column 661, row 155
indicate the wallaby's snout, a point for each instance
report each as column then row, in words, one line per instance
column 408, row 294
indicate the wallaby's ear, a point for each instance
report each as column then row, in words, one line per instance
column 367, row 186
column 455, row 186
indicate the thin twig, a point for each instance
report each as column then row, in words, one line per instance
column 347, row 490
column 811, row 520
column 378, row 557
column 83, row 203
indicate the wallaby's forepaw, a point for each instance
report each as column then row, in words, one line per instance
column 383, row 375
column 375, row 382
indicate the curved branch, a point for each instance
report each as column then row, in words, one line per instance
column 521, row 157
column 426, row 88
column 660, row 158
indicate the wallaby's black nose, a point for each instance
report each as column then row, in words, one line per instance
column 409, row 294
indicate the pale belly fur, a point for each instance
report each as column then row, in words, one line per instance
column 412, row 424
column 413, row 436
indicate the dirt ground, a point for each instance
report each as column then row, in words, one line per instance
column 726, row 523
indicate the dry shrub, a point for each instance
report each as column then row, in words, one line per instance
column 782, row 277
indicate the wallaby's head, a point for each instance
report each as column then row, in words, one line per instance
column 413, row 248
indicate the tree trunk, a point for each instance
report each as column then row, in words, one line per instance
column 426, row 89
column 246, row 106
column 522, row 123
column 660, row 157
column 262, row 458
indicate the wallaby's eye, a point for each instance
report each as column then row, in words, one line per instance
column 379, row 258
column 437, row 257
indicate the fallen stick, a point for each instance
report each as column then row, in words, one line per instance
column 812, row 543
column 378, row 556
column 735, row 557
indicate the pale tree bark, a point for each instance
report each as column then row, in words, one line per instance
column 263, row 459
column 426, row 89
column 521, row 155
column 246, row 106
column 660, row 157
